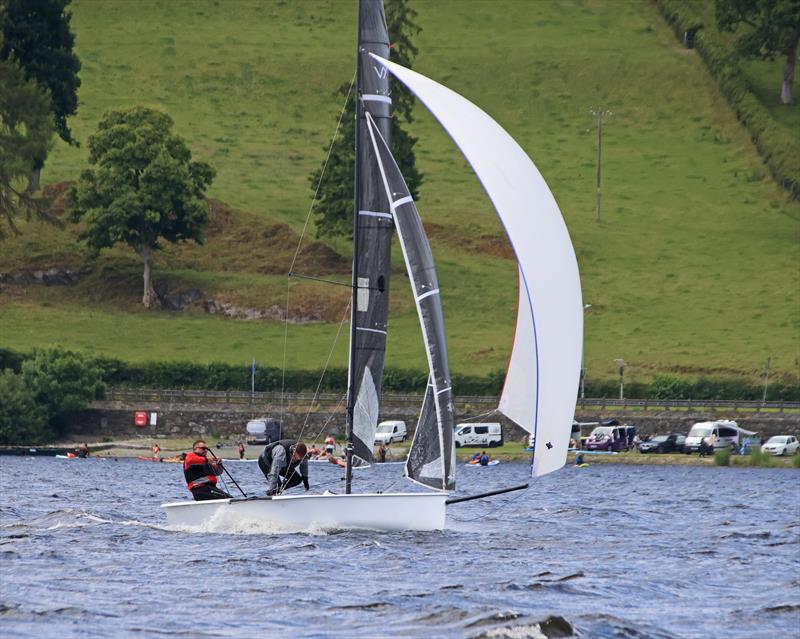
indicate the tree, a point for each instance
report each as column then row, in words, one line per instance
column 335, row 195
column 144, row 187
column 34, row 403
column 26, row 132
column 22, row 420
column 62, row 382
column 774, row 29
column 37, row 35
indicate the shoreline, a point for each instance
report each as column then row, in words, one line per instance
column 510, row 452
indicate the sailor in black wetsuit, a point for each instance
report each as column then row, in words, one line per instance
column 284, row 464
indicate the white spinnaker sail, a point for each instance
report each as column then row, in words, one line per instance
column 544, row 369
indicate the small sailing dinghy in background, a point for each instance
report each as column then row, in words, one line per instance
column 542, row 379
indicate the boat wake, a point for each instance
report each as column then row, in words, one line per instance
column 242, row 525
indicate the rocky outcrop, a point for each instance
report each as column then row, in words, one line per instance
column 48, row 277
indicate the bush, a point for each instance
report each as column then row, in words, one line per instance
column 722, row 457
column 759, row 458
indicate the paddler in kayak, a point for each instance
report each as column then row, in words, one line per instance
column 201, row 474
column 284, row 464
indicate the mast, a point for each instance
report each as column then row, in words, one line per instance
column 351, row 368
column 372, row 241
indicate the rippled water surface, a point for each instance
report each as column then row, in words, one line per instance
column 615, row 551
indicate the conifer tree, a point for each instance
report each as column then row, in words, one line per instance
column 335, row 196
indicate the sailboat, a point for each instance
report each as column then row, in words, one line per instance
column 542, row 379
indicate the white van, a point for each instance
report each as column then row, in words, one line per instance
column 479, row 434
column 263, row 431
column 726, row 433
column 391, row 431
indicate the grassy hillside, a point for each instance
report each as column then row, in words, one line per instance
column 693, row 267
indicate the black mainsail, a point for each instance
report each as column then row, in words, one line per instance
column 431, row 460
column 372, row 237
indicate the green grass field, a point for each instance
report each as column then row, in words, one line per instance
column 693, row 267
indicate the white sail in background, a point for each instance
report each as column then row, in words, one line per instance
column 544, row 368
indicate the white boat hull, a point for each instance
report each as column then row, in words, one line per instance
column 388, row 511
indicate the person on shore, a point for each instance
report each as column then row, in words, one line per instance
column 285, row 465
column 315, row 452
column 201, row 474
column 83, row 450
column 382, row 454
column 241, row 450
column 330, row 444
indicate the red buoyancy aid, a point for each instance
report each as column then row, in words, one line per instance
column 197, row 470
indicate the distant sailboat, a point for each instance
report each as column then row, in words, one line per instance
column 543, row 373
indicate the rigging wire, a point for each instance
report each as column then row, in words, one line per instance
column 474, row 417
column 484, row 514
column 300, row 242
column 345, row 315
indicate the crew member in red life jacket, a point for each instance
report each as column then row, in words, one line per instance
column 201, row 474
column 284, row 464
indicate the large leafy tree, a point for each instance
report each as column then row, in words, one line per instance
column 144, row 187
column 36, row 33
column 26, row 132
column 335, row 196
column 767, row 28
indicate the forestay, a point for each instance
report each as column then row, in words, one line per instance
column 544, row 368
column 431, row 460
column 374, row 237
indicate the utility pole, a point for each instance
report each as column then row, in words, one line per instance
column 766, row 378
column 586, row 307
column 621, row 377
column 599, row 113
column 253, row 381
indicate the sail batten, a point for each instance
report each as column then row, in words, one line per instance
column 431, row 457
column 544, row 367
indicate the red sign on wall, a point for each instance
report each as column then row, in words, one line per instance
column 140, row 418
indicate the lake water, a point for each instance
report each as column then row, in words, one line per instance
column 612, row 550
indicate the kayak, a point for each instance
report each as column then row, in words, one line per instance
column 493, row 462
column 239, row 460
column 167, row 460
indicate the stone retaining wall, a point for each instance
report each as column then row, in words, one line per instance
column 114, row 420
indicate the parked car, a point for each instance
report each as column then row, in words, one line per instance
column 781, row 445
column 391, row 431
column 609, row 438
column 479, row 434
column 672, row 443
column 263, row 431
